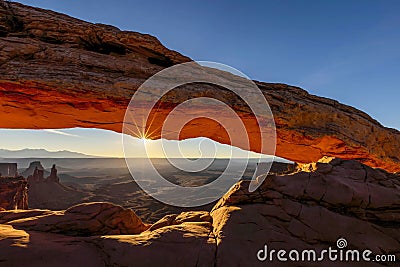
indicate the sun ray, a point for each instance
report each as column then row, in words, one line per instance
column 132, row 133
column 152, row 119
column 139, row 131
column 165, row 134
column 145, row 131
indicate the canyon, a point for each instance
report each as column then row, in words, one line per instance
column 308, row 206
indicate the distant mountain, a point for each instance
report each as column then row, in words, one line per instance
column 41, row 153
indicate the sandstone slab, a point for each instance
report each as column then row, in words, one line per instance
column 81, row 220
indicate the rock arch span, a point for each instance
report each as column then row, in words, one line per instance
column 60, row 72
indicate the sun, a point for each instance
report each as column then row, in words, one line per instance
column 144, row 140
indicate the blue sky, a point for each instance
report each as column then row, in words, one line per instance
column 345, row 50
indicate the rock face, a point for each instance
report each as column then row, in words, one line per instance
column 52, row 64
column 187, row 244
column 309, row 208
column 80, row 220
column 13, row 193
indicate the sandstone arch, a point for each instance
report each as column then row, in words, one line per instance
column 60, row 72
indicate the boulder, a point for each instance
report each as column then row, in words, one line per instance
column 97, row 218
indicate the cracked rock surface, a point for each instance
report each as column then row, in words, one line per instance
column 310, row 209
column 97, row 218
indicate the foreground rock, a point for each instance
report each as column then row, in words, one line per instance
column 80, row 220
column 187, row 242
column 309, row 208
column 77, row 61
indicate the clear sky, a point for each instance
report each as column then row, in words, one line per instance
column 104, row 143
column 345, row 50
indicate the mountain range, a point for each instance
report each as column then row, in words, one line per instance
column 41, row 153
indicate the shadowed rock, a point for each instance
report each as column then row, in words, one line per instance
column 13, row 193
column 310, row 209
column 53, row 175
column 33, row 169
column 81, row 220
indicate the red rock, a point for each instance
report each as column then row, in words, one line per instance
column 78, row 61
column 176, row 219
column 310, row 209
column 188, row 244
column 30, row 248
column 83, row 220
